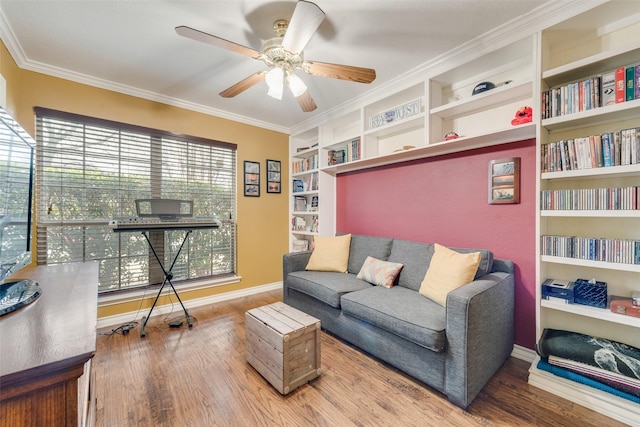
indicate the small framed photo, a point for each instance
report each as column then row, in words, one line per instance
column 274, row 176
column 504, row 181
column 251, row 179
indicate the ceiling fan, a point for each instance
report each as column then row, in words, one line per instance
column 283, row 55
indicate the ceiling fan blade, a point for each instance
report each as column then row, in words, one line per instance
column 243, row 85
column 306, row 102
column 216, row 41
column 343, row 72
column 304, row 22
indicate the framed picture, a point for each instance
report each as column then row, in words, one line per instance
column 504, row 181
column 251, row 179
column 274, row 176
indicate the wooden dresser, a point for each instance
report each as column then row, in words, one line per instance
column 46, row 349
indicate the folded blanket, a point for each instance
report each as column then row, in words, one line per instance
column 597, row 352
column 581, row 379
column 620, row 382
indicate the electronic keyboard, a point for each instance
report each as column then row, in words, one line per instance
column 146, row 223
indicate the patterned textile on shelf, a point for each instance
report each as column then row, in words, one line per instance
column 612, row 363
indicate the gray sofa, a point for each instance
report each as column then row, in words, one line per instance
column 455, row 350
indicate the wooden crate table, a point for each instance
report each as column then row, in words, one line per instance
column 283, row 345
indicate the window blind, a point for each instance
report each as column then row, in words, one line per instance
column 89, row 171
column 16, row 151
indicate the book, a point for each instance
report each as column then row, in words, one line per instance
column 299, row 203
column 637, row 95
column 608, row 88
column 298, row 186
column 620, row 85
column 630, row 75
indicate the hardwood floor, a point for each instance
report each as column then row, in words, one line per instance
column 199, row 377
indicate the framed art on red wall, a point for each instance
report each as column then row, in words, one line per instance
column 504, row 181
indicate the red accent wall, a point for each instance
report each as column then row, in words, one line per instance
column 445, row 200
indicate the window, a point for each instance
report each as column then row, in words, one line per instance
column 89, row 171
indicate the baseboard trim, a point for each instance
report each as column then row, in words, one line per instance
column 597, row 400
column 523, row 353
column 119, row 319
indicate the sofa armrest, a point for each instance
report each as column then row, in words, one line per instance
column 294, row 261
column 480, row 332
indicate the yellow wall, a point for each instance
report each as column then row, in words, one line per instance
column 262, row 221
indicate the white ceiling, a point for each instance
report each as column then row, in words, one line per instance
column 131, row 46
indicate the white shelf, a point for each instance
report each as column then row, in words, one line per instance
column 304, row 213
column 309, row 172
column 484, row 101
column 606, row 114
column 305, row 193
column 340, row 144
column 591, row 213
column 595, row 64
column 304, row 233
column 305, row 153
column 635, row 268
column 593, row 312
column 611, row 171
column 613, row 406
column 511, row 134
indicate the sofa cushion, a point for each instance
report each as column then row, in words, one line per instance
column 325, row 286
column 448, row 270
column 330, row 253
column 378, row 272
column 415, row 257
column 486, row 260
column 400, row 311
column 364, row 246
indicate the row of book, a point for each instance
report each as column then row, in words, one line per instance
column 299, row 223
column 625, row 251
column 351, row 151
column 300, row 204
column 617, row 148
column 614, row 198
column 306, row 183
column 613, row 87
column 305, row 165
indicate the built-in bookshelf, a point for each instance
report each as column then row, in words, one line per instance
column 304, row 191
column 589, row 153
column 588, row 162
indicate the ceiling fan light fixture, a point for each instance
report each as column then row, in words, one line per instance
column 275, row 81
column 296, row 85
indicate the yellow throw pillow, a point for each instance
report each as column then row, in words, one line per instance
column 447, row 271
column 330, row 254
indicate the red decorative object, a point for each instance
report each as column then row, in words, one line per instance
column 523, row 115
column 450, row 135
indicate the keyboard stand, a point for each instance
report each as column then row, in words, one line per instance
column 188, row 228
column 167, row 279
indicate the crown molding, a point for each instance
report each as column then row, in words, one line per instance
column 16, row 51
column 548, row 14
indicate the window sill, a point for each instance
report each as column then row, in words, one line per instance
column 135, row 295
